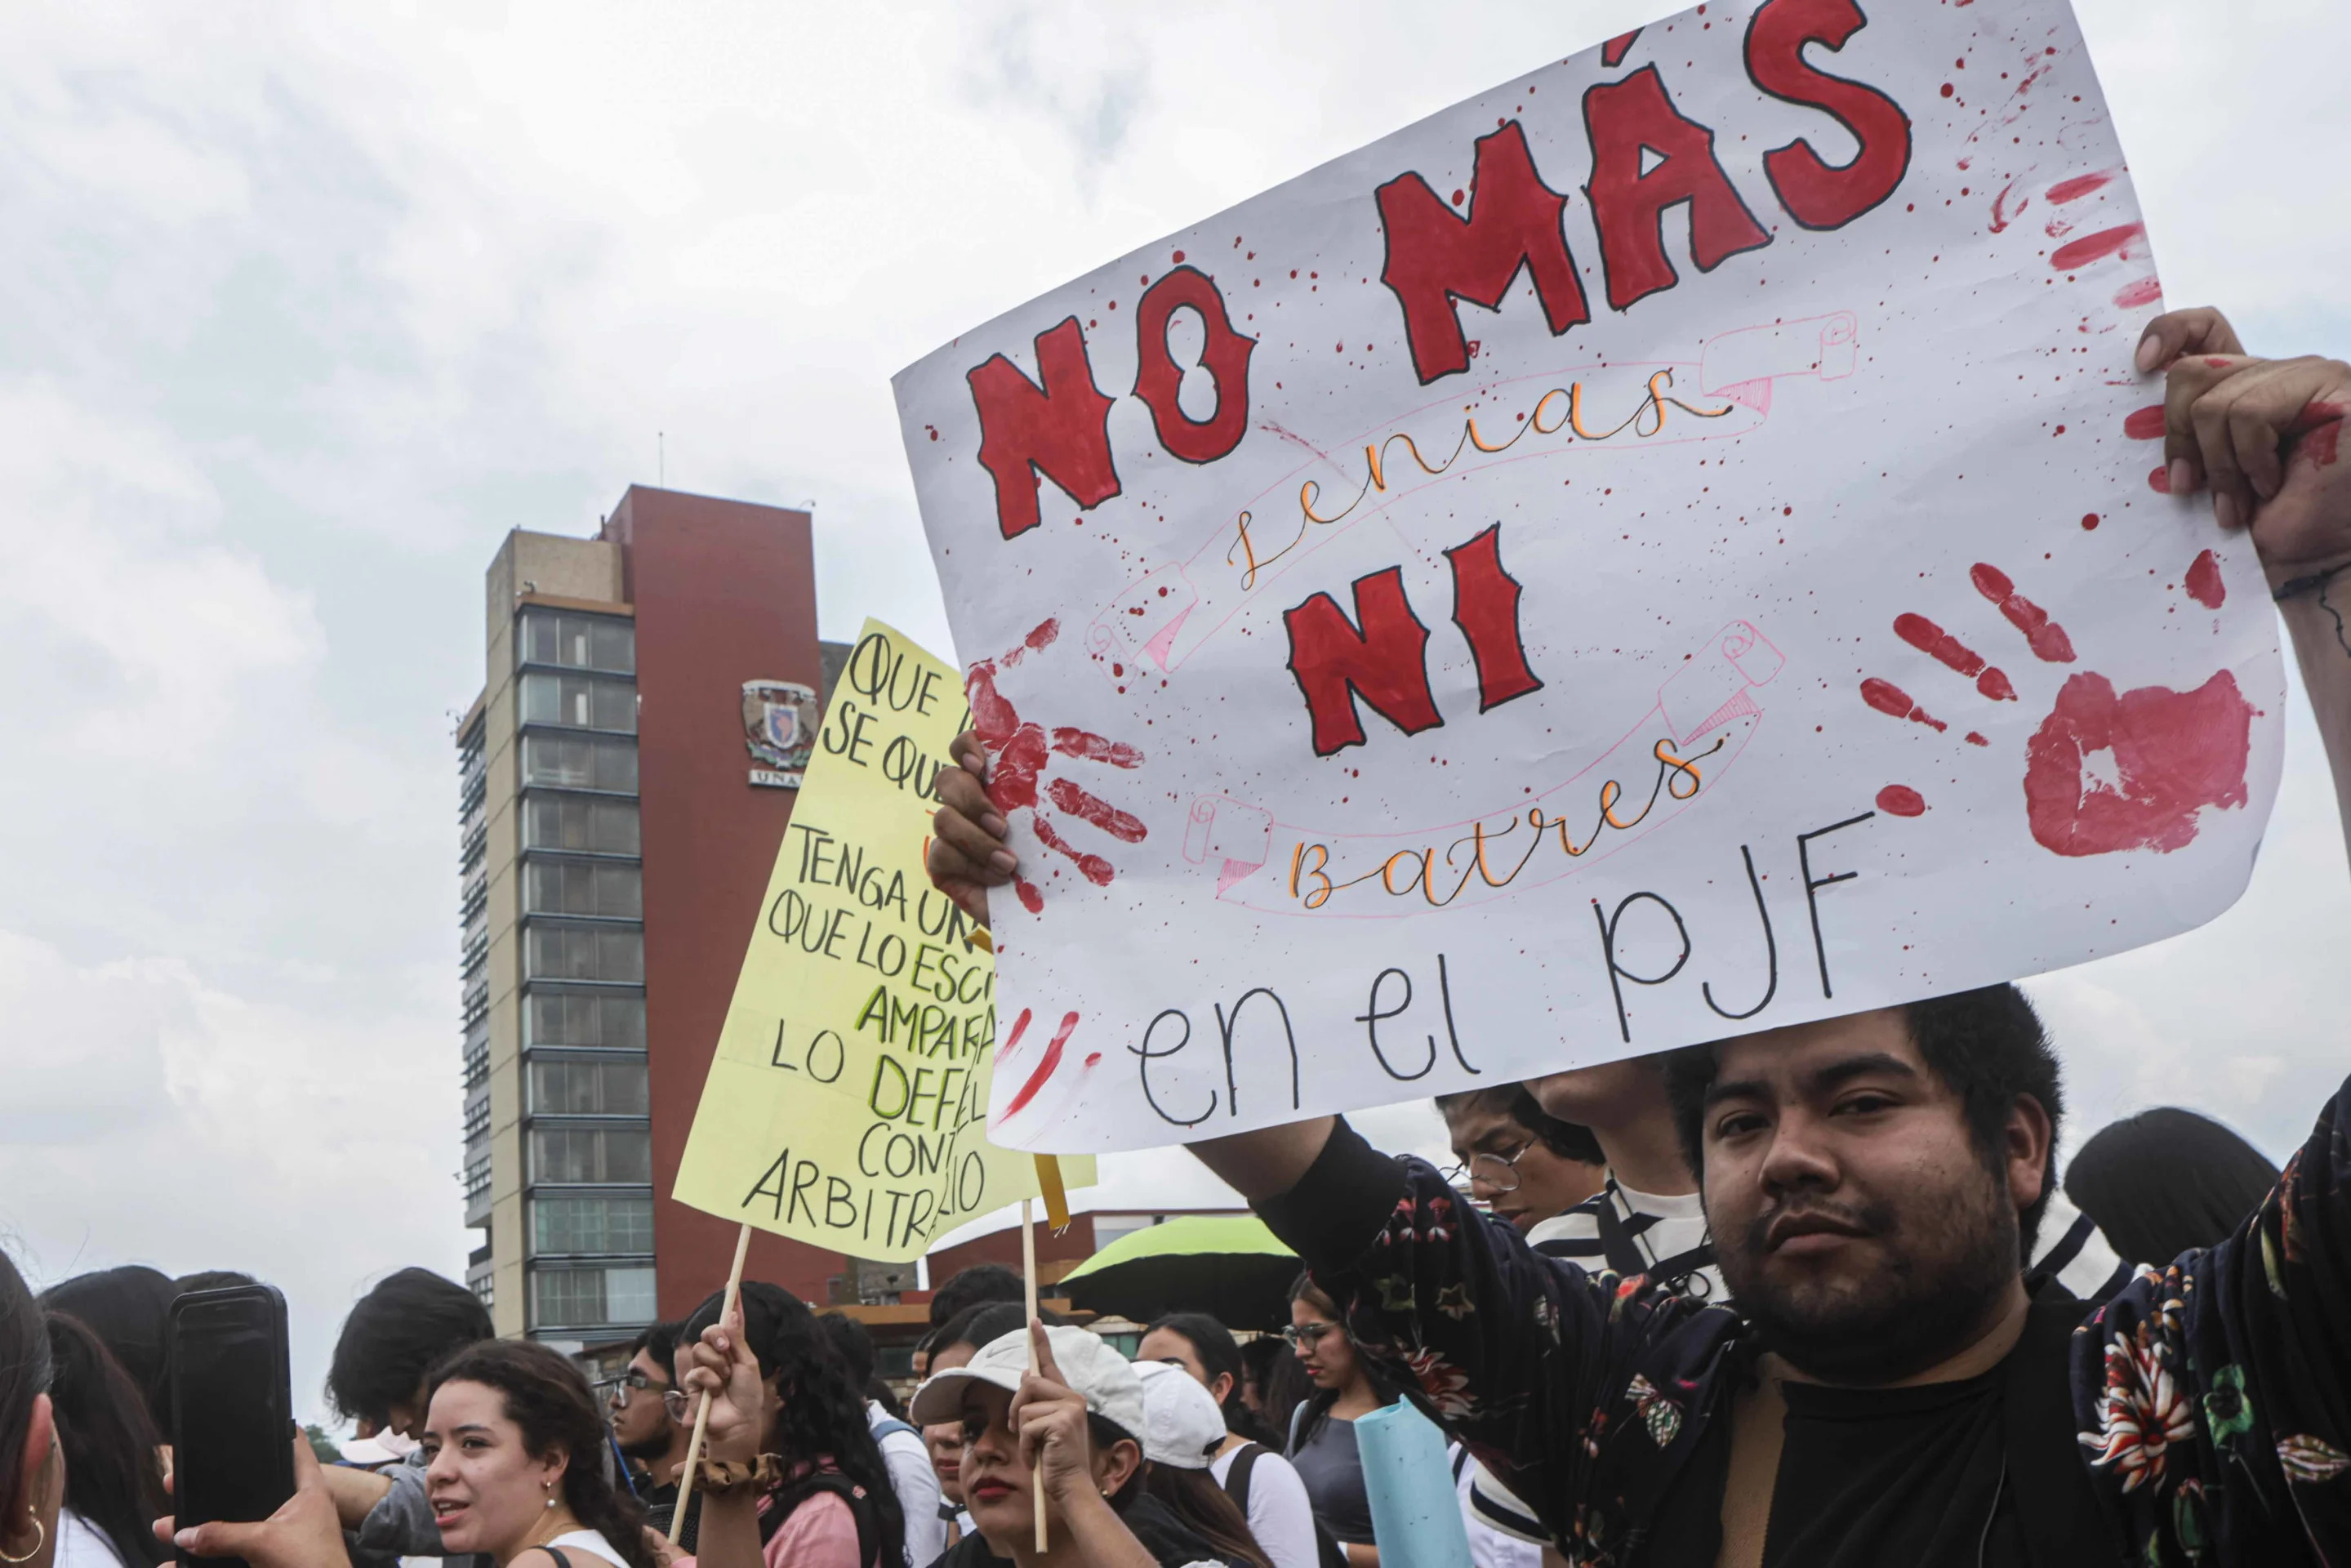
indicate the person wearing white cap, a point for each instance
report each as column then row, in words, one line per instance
column 1182, row 1430
column 1073, row 1426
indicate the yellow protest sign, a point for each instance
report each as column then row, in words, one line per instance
column 847, row 1104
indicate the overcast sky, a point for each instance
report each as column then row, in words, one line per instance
column 302, row 307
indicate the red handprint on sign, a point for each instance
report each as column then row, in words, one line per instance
column 1020, row 753
column 2172, row 753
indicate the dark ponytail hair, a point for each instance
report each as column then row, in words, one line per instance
column 114, row 1478
column 1220, row 1356
column 822, row 1414
column 1389, row 1381
column 546, row 1396
column 1208, row 1511
column 24, row 1378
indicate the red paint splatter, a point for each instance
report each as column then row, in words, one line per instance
column 1901, row 800
column 1994, row 684
column 1012, row 1042
column 2145, row 291
column 2158, row 479
column 1094, row 1060
column 1030, row 899
column 1179, row 258
column 2174, row 753
column 1094, row 809
column 2045, row 637
column 1092, row 867
column 2203, row 582
column 1975, row 738
column 1045, row 1066
column 2094, row 247
column 2089, row 521
column 2080, row 185
column 1612, row 53
column 1928, row 638
column 1087, row 746
column 2319, row 428
column 2145, row 423
column 1888, row 698
column 2000, row 217
column 1037, row 642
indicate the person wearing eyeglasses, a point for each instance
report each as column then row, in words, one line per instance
column 1321, row 1447
column 1522, row 1163
column 648, row 1436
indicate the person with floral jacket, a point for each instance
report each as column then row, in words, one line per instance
column 1889, row 1388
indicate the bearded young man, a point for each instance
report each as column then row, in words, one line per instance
column 1889, row 1389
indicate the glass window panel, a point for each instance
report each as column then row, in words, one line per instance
column 565, row 1296
column 584, row 953
column 588, row 1088
column 580, row 641
column 580, row 824
column 563, row 1017
column 593, row 1224
column 629, row 1295
column 577, row 887
column 621, row 1155
column 580, row 701
column 580, row 762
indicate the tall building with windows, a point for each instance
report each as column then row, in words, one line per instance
column 624, row 779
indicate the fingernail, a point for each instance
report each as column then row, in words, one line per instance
column 992, row 823
column 2224, row 509
column 719, row 1343
column 977, row 764
column 2150, row 350
column 185, row 1538
column 1004, row 860
column 2182, row 479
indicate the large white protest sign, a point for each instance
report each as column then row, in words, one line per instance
column 1663, row 550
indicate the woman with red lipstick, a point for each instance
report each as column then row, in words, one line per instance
column 515, row 1465
column 1074, row 1427
column 1323, row 1429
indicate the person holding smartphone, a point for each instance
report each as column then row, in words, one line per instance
column 513, row 1463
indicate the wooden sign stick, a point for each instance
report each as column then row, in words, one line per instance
column 1029, row 1287
column 726, row 1310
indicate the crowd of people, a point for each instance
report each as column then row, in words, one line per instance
column 1813, row 1295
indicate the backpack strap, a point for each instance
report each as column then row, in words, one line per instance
column 891, row 1428
column 785, row 1500
column 1237, row 1480
column 1297, row 1419
column 561, row 1560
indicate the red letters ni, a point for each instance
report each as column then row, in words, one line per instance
column 1623, row 119
column 1383, row 663
column 1817, row 193
column 1060, row 430
column 1486, row 608
column 1435, row 258
column 1226, row 357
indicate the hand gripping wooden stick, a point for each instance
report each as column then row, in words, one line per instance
column 1029, row 1287
column 702, row 1411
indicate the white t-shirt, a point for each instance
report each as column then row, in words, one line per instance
column 79, row 1546
column 1489, row 1547
column 917, row 1484
column 1280, row 1514
column 591, row 1542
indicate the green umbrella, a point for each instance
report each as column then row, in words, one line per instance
column 1228, row 1266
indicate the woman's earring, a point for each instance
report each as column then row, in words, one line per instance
column 551, row 1492
column 40, row 1539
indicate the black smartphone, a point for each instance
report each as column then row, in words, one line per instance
column 232, row 1407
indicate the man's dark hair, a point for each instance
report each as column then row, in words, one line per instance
column 1568, row 1140
column 658, row 1341
column 128, row 1309
column 972, row 1287
column 394, row 1335
column 2166, row 1181
column 1988, row 1046
column 852, row 1343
